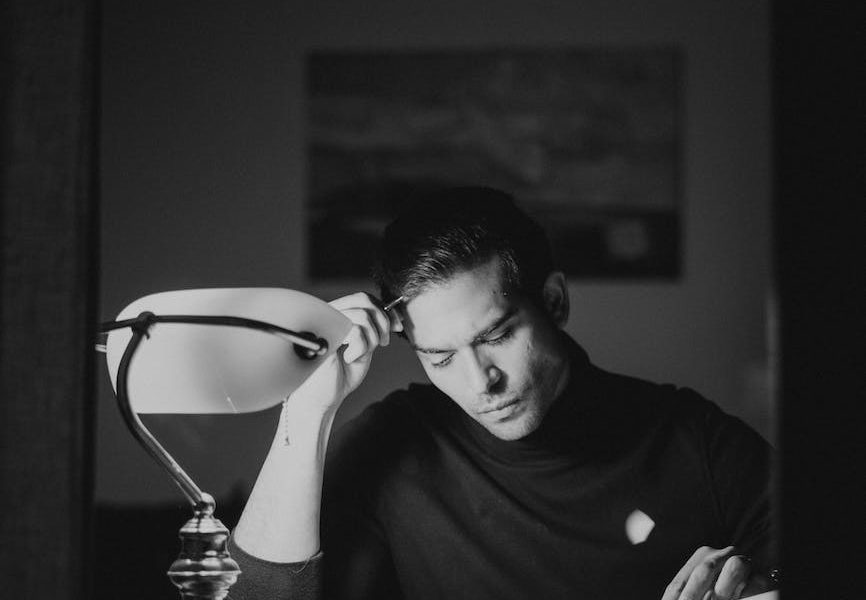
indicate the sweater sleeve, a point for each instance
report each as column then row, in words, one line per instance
column 740, row 467
column 265, row 580
column 360, row 461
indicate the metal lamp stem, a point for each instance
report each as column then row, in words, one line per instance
column 139, row 431
column 203, row 568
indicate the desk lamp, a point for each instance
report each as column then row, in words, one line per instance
column 213, row 351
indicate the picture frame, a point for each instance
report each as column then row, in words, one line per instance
column 586, row 139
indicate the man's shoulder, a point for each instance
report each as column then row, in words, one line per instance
column 638, row 396
column 639, row 390
column 636, row 414
column 662, row 403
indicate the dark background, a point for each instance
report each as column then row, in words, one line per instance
column 814, row 70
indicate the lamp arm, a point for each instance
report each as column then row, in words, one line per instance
column 200, row 500
column 306, row 344
column 318, row 346
column 203, row 570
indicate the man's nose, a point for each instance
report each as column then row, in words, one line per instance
column 483, row 375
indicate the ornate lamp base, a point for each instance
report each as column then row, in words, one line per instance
column 203, row 568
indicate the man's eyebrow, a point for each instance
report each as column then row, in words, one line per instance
column 479, row 337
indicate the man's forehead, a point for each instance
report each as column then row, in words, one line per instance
column 440, row 327
column 462, row 305
column 439, row 341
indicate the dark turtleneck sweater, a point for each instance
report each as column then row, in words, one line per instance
column 422, row 502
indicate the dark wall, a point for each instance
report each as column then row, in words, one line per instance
column 203, row 184
column 203, row 178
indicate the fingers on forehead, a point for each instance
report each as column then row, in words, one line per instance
column 358, row 343
column 374, row 321
column 359, row 299
column 365, row 317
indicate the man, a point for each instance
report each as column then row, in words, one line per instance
column 523, row 471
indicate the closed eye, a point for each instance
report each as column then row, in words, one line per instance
column 504, row 336
column 442, row 363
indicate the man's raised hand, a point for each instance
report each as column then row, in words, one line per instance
column 344, row 370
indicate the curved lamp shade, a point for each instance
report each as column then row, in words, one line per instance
column 205, row 368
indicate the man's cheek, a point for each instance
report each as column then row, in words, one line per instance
column 518, row 360
column 442, row 382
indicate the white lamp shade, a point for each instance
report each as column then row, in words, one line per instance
column 204, row 368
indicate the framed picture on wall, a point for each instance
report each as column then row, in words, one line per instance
column 587, row 140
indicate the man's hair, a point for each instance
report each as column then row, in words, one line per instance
column 447, row 231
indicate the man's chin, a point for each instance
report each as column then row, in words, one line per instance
column 508, row 434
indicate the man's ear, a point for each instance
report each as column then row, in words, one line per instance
column 554, row 294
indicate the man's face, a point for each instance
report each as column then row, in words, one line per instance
column 496, row 354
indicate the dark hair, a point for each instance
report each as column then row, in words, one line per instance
column 449, row 230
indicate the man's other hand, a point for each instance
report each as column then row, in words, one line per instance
column 714, row 574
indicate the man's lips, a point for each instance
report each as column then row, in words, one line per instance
column 499, row 406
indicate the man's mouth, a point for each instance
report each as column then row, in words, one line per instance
column 500, row 409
